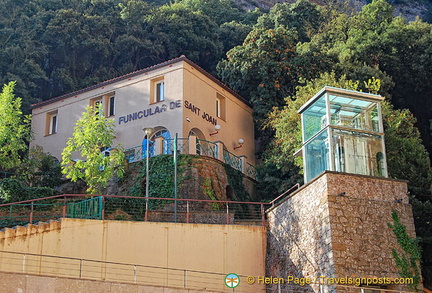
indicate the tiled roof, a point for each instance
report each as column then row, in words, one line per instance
column 138, row 72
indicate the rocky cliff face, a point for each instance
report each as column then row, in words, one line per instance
column 408, row 9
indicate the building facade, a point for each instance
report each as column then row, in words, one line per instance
column 174, row 97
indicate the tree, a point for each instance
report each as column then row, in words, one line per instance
column 402, row 140
column 14, row 128
column 267, row 66
column 39, row 169
column 176, row 29
column 92, row 133
column 373, row 42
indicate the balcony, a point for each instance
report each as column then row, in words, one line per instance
column 192, row 146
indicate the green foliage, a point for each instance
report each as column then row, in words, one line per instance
column 422, row 210
column 235, row 180
column 92, row 133
column 275, row 179
column 402, row 141
column 13, row 190
column 303, row 16
column 161, row 180
column 266, row 68
column 40, row 169
column 209, row 191
column 53, row 47
column 177, row 30
column 408, row 261
column 14, row 129
column 220, row 11
column 373, row 42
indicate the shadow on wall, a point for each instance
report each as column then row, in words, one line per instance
column 298, row 243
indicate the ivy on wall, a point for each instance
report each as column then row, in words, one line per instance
column 14, row 190
column 161, row 184
column 408, row 261
column 235, row 180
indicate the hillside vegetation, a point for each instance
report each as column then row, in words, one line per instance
column 274, row 58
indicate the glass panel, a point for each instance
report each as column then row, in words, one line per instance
column 353, row 113
column 314, row 118
column 111, row 106
column 160, row 96
column 316, row 156
column 359, row 153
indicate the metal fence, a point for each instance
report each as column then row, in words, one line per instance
column 233, row 160
column 87, row 209
column 203, row 148
column 116, row 207
column 130, row 273
column 139, row 153
column 207, row 148
column 79, row 268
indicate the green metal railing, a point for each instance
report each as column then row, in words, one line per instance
column 86, row 209
column 232, row 160
column 203, row 148
column 138, row 153
column 251, row 171
column 182, row 146
column 207, row 148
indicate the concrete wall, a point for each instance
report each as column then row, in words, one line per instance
column 194, row 247
column 337, row 226
column 22, row 283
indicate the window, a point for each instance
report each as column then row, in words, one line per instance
column 107, row 102
column 96, row 103
column 220, row 106
column 53, row 126
column 111, row 106
column 159, row 90
column 52, row 123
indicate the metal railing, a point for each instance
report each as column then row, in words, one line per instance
column 251, row 171
column 87, row 209
column 203, row 148
column 80, row 268
column 232, row 160
column 207, row 148
column 132, row 273
column 138, row 153
column 118, row 207
column 289, row 191
column 133, row 208
column 182, row 146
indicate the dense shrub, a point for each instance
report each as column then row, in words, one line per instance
column 13, row 190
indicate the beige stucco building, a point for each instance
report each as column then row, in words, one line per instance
column 174, row 97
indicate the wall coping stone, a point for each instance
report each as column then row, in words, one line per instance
column 322, row 174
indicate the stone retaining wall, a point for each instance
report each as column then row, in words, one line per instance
column 337, row 226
